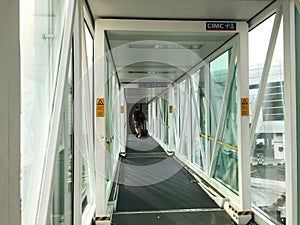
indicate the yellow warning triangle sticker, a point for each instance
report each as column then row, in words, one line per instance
column 245, row 101
column 100, row 102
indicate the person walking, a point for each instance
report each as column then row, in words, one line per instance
column 138, row 120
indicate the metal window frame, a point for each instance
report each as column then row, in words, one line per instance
column 185, row 120
column 153, row 25
column 221, row 121
column 207, row 111
column 290, row 103
column 292, row 197
column 197, row 116
column 243, row 121
column 88, row 212
column 265, row 73
column 265, row 14
column 242, row 200
column 170, row 119
column 54, row 134
column 88, row 18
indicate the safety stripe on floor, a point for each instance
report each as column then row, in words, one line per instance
column 170, row 211
column 267, row 164
column 146, row 156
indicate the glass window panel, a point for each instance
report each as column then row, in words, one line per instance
column 181, row 104
column 195, row 116
column 268, row 182
column 41, row 33
column 227, row 164
column 183, row 117
column 202, row 113
column 154, row 117
column 86, row 136
column 108, row 127
column 218, row 76
column 165, row 119
column 198, row 109
column 175, row 117
column 90, row 59
column 61, row 211
column 159, row 116
column 258, row 46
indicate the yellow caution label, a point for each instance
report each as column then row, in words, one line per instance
column 240, row 213
column 104, row 218
column 122, row 109
column 100, row 107
column 244, row 106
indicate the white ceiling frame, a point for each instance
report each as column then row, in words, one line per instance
column 158, row 26
column 265, row 14
column 241, row 10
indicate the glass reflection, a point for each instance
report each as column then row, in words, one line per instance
column 268, row 152
column 41, row 32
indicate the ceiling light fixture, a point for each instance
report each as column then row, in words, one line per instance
column 165, row 46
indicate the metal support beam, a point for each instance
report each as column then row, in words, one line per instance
column 290, row 112
column 242, row 80
column 207, row 119
column 100, row 134
column 78, row 105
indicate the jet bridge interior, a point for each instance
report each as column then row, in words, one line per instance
column 169, row 67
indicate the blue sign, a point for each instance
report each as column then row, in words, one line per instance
column 230, row 26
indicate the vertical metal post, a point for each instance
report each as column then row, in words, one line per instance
column 243, row 121
column 67, row 152
column 207, row 118
column 177, row 121
column 188, row 131
column 100, row 134
column 170, row 118
column 78, row 91
column 297, row 119
column 290, row 112
column 123, row 128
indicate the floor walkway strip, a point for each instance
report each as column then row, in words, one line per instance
column 170, row 211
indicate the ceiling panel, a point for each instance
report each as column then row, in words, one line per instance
column 138, row 54
column 142, row 95
column 178, row 9
column 154, row 57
